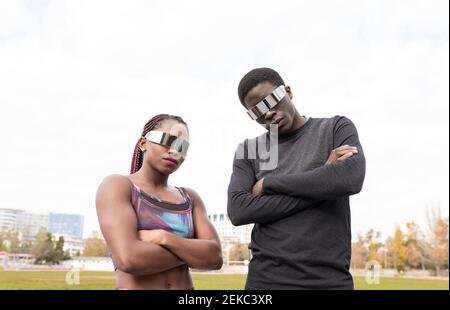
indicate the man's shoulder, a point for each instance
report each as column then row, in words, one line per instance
column 315, row 121
column 246, row 149
column 333, row 122
column 250, row 141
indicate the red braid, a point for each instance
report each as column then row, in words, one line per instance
column 154, row 122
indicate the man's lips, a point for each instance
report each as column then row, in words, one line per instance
column 174, row 161
column 277, row 121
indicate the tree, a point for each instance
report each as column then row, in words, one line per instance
column 414, row 255
column 436, row 249
column 359, row 253
column 58, row 253
column 373, row 244
column 397, row 250
column 2, row 240
column 95, row 245
column 239, row 252
column 441, row 243
column 25, row 247
column 12, row 241
column 43, row 247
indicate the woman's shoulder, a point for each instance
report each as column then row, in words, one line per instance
column 188, row 190
column 193, row 195
column 115, row 182
column 113, row 192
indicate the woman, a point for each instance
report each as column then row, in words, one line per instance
column 156, row 231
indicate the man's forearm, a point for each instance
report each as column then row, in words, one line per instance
column 327, row 182
column 333, row 181
column 245, row 208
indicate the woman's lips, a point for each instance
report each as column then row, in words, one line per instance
column 172, row 161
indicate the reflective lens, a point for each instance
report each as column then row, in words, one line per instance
column 167, row 140
column 267, row 103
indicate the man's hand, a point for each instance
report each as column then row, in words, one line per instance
column 338, row 154
column 341, row 153
column 156, row 236
column 258, row 187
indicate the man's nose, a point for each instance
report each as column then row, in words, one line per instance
column 269, row 115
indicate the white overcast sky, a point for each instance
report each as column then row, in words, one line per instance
column 79, row 79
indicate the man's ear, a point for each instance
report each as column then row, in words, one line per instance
column 289, row 92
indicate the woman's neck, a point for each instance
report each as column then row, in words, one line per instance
column 152, row 177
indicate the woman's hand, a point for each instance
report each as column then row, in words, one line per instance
column 155, row 236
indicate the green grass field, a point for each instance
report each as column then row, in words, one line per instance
column 55, row 280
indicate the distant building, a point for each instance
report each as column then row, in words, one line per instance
column 229, row 234
column 13, row 261
column 8, row 218
column 227, row 231
column 66, row 224
column 72, row 244
column 89, row 263
column 28, row 224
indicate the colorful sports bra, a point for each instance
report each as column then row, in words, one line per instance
column 153, row 213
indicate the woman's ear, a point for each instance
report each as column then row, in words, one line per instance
column 142, row 143
column 289, row 92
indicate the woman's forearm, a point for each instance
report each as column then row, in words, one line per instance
column 196, row 253
column 142, row 258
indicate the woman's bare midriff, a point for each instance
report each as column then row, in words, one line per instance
column 177, row 278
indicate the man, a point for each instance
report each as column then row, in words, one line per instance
column 300, row 205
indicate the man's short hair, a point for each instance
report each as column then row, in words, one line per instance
column 256, row 76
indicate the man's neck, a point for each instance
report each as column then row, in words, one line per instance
column 299, row 121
